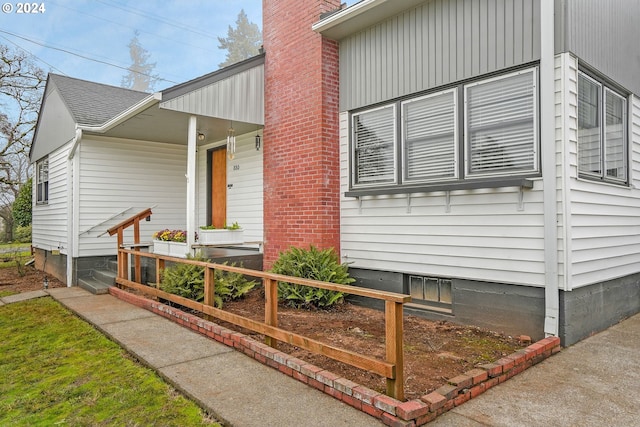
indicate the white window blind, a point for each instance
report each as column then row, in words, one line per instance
column 374, row 146
column 615, row 131
column 501, row 129
column 589, row 131
column 429, row 130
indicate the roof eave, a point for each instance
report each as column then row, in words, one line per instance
column 127, row 114
column 361, row 15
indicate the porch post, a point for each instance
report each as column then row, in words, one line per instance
column 191, row 181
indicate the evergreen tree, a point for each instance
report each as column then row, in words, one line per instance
column 242, row 42
column 140, row 76
column 22, row 205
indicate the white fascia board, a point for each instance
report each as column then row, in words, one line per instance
column 344, row 15
column 125, row 115
column 360, row 16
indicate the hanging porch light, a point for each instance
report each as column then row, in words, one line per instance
column 231, row 142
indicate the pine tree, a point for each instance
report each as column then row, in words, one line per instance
column 140, row 76
column 242, row 42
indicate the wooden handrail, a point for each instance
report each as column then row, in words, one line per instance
column 118, row 229
column 392, row 367
column 130, row 221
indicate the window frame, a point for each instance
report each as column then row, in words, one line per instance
column 461, row 179
column 42, row 185
column 456, row 146
column 536, row 126
column 603, row 90
column 354, row 159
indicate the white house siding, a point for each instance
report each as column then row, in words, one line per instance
column 244, row 187
column 118, row 174
column 605, row 219
column 566, row 124
column 481, row 235
column 50, row 219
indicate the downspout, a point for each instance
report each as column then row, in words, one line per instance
column 549, row 181
column 72, row 222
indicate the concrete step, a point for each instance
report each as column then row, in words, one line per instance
column 98, row 282
column 112, row 265
column 106, row 276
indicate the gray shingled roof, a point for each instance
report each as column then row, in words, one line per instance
column 93, row 104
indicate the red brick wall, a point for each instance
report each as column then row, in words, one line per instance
column 301, row 137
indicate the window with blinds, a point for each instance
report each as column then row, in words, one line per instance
column 500, row 125
column 602, row 132
column 429, row 137
column 436, row 138
column 374, row 139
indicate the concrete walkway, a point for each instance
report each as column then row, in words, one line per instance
column 593, row 383
column 236, row 389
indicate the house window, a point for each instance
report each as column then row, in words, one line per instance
column 429, row 137
column 436, row 138
column 431, row 291
column 374, row 146
column 42, row 181
column 602, row 131
column 501, row 129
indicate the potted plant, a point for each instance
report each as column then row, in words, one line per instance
column 228, row 235
column 170, row 242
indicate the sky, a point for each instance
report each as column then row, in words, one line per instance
column 88, row 39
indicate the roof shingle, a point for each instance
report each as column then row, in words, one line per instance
column 93, row 104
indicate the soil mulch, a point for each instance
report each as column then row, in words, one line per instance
column 434, row 351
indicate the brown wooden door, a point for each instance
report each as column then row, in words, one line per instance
column 218, row 188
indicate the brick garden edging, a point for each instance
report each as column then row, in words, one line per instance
column 390, row 411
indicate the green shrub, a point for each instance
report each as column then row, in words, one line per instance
column 311, row 263
column 187, row 280
column 22, row 234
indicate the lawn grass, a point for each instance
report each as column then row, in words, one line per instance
column 57, row 369
column 7, row 293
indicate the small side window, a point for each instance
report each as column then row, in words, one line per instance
column 42, row 181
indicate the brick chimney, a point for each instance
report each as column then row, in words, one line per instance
column 301, row 135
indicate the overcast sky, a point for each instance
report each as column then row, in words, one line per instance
column 88, row 39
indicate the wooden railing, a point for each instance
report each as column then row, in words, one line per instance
column 392, row 367
column 123, row 262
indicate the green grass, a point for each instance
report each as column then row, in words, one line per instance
column 57, row 369
column 7, row 293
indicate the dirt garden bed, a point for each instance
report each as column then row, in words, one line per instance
column 433, row 351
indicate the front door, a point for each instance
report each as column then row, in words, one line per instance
column 218, row 187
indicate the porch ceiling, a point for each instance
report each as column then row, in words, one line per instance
column 161, row 125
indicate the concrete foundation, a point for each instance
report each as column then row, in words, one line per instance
column 590, row 309
column 518, row 310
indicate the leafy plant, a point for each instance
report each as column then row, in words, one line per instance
column 234, row 226
column 187, row 280
column 22, row 234
column 311, row 263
